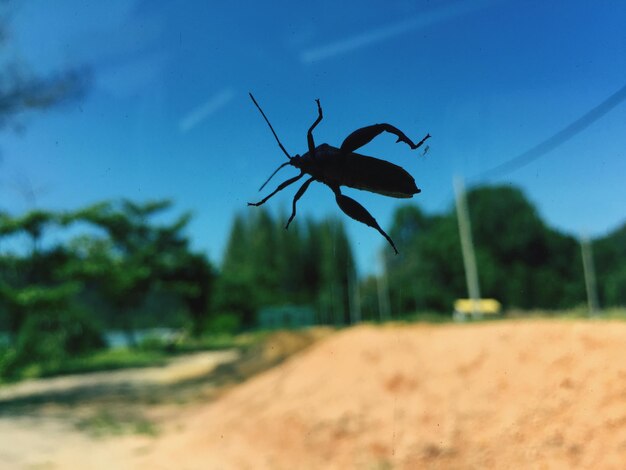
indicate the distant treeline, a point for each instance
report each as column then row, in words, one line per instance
column 111, row 266
column 521, row 261
column 266, row 265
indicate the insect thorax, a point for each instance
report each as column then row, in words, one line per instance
column 325, row 165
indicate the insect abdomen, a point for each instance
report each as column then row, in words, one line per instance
column 377, row 176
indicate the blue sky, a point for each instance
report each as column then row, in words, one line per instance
column 168, row 113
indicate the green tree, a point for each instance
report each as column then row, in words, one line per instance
column 529, row 262
column 405, row 271
column 37, row 272
column 191, row 276
column 44, row 319
column 368, row 290
column 290, row 256
column 336, row 265
column 54, row 326
column 521, row 261
column 610, row 262
column 266, row 265
column 134, row 258
column 263, row 252
column 236, row 293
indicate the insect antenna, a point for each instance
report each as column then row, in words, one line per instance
column 272, row 175
column 271, row 128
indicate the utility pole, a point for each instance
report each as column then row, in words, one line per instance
column 590, row 276
column 467, row 245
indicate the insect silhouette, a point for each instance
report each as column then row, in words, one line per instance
column 336, row 167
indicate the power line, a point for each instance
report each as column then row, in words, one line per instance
column 557, row 139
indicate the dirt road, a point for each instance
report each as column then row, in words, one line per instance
column 177, row 370
column 82, row 421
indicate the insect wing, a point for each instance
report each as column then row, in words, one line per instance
column 378, row 176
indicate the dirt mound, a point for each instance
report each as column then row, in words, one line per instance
column 518, row 394
column 267, row 353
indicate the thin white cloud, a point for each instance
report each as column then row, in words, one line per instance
column 359, row 41
column 199, row 114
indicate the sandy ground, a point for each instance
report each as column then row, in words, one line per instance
column 510, row 394
column 39, row 418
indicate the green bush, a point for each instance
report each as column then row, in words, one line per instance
column 7, row 359
column 224, row 323
column 158, row 343
column 46, row 339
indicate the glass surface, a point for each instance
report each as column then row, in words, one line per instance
column 146, row 106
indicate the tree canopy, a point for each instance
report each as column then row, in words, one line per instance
column 521, row 262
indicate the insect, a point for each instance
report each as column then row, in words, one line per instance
column 336, row 167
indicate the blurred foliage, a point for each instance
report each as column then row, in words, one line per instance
column 123, row 270
column 108, row 422
column 138, row 259
column 609, row 255
column 22, row 91
column 49, row 338
column 225, row 323
column 521, row 262
column 57, row 299
column 100, row 360
column 266, row 265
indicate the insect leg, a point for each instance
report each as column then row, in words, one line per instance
column 362, row 136
column 310, row 133
column 298, row 195
column 356, row 211
column 281, row 186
